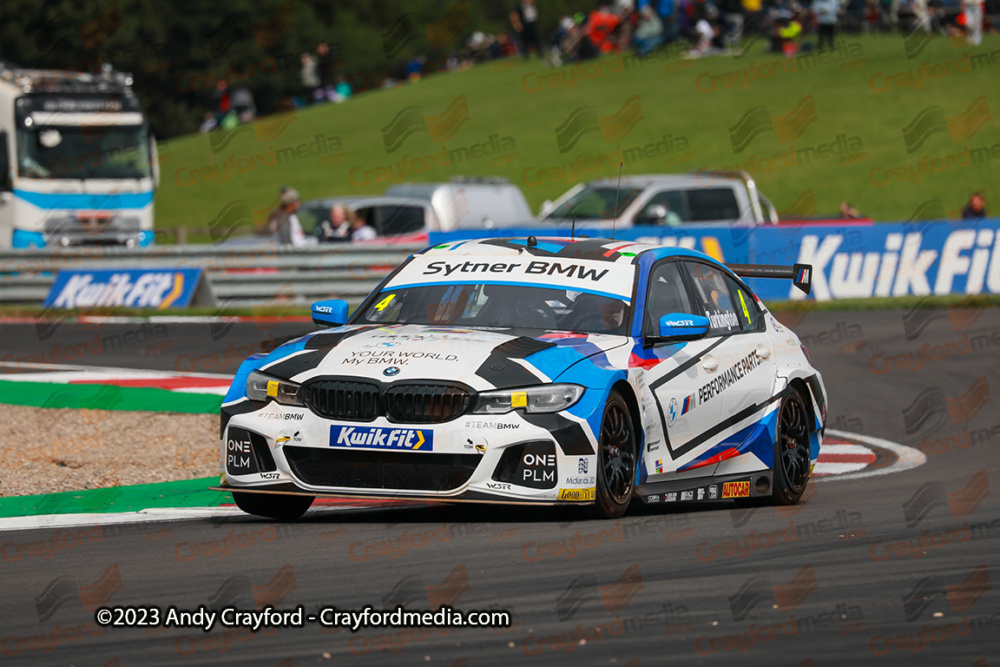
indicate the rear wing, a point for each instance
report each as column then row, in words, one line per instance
column 799, row 274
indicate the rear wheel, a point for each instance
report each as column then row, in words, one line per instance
column 791, row 454
column 616, row 459
column 273, row 505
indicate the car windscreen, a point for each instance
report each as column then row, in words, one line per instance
column 595, row 202
column 498, row 305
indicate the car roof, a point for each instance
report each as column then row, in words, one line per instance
column 375, row 200
column 669, row 180
column 427, row 190
column 600, row 249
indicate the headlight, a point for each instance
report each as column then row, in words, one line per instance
column 261, row 387
column 548, row 398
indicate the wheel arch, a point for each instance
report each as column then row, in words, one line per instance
column 627, row 393
column 809, row 386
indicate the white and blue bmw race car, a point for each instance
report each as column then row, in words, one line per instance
column 533, row 371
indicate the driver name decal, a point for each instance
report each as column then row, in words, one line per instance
column 724, row 319
column 731, row 375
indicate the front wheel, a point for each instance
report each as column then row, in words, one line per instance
column 273, row 505
column 616, row 459
column 791, row 451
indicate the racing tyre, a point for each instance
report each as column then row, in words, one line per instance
column 616, row 460
column 791, row 453
column 273, row 505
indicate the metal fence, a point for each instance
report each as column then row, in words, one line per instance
column 239, row 276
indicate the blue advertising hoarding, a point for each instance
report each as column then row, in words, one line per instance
column 131, row 288
column 850, row 260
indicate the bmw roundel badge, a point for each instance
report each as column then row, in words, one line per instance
column 392, row 370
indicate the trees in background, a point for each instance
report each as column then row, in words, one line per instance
column 179, row 51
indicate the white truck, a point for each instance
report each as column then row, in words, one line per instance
column 77, row 161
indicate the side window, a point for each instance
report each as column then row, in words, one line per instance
column 672, row 209
column 666, row 294
column 712, row 294
column 397, row 220
column 708, row 204
column 311, row 216
column 751, row 318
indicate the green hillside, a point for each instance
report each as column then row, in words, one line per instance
column 832, row 130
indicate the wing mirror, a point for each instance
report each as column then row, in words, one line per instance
column 331, row 312
column 682, row 326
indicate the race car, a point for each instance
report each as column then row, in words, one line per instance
column 533, row 371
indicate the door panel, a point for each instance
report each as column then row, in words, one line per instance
column 673, row 381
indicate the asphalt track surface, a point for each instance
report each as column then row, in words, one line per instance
column 893, row 569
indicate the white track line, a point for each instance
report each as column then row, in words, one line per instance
column 844, row 449
column 907, row 457
column 99, row 369
column 48, row 521
column 824, row 469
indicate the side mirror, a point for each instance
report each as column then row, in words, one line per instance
column 682, row 326
column 331, row 313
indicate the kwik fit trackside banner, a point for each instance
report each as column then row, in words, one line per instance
column 850, row 260
column 882, row 259
column 136, row 288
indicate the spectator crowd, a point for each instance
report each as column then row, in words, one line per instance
column 695, row 28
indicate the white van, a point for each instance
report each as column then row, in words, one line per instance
column 470, row 203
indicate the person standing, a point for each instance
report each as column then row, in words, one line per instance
column 826, row 19
column 283, row 224
column 732, row 13
column 309, row 75
column 524, row 19
column 973, row 10
column 325, row 66
column 649, row 34
column 221, row 100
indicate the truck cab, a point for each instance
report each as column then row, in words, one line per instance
column 77, row 162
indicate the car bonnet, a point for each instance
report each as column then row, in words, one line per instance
column 480, row 358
